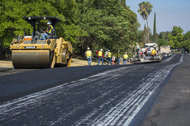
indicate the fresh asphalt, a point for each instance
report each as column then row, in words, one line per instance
column 96, row 95
column 172, row 106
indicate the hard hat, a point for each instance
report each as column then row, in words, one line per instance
column 136, row 43
column 101, row 49
column 88, row 48
column 118, row 51
column 108, row 50
column 49, row 22
column 125, row 52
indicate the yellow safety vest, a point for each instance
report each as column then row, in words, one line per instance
column 153, row 52
column 88, row 53
column 125, row 56
column 50, row 29
column 100, row 53
column 109, row 54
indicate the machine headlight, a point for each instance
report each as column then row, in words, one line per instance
column 42, row 46
column 17, row 46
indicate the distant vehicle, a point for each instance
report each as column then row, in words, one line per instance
column 145, row 54
column 165, row 51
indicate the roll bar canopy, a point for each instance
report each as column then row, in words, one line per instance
column 33, row 20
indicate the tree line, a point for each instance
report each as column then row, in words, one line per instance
column 107, row 24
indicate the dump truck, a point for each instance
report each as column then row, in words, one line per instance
column 144, row 54
column 31, row 52
column 165, row 51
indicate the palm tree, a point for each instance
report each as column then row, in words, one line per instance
column 145, row 9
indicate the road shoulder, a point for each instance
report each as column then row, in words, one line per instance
column 172, row 106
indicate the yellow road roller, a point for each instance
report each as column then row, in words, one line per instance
column 32, row 52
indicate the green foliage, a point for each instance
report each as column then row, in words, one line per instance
column 176, row 37
column 108, row 25
column 145, row 8
column 162, row 42
column 164, row 35
column 95, row 23
column 154, row 30
column 186, row 42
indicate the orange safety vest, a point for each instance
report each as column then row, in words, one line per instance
column 100, row 53
column 88, row 53
column 109, row 54
column 125, row 56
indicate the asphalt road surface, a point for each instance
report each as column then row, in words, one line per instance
column 83, row 96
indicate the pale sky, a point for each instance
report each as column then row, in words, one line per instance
column 169, row 13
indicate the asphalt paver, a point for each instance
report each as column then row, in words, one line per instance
column 172, row 106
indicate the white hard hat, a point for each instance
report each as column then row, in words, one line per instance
column 49, row 22
column 88, row 48
column 118, row 51
column 137, row 43
column 101, row 49
column 108, row 50
column 125, row 52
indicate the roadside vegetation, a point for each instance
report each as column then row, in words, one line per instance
column 107, row 24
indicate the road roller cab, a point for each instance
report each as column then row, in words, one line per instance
column 31, row 52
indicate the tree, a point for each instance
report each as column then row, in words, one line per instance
column 145, row 8
column 162, row 42
column 186, row 42
column 164, row 35
column 176, row 37
column 108, row 23
column 154, row 30
column 12, row 24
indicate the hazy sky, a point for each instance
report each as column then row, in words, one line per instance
column 169, row 13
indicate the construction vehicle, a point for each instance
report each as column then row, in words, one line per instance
column 31, row 52
column 143, row 55
column 165, row 51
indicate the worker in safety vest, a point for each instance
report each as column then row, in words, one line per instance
column 153, row 53
column 125, row 57
column 88, row 54
column 109, row 57
column 48, row 31
column 118, row 57
column 100, row 56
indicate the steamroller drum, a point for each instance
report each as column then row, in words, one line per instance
column 32, row 58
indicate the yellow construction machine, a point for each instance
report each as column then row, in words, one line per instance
column 31, row 52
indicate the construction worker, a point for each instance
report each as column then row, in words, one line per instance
column 48, row 31
column 100, row 56
column 125, row 57
column 109, row 57
column 88, row 54
column 153, row 53
column 113, row 59
column 118, row 57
